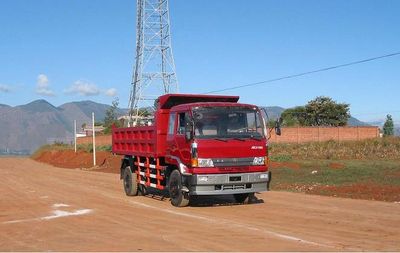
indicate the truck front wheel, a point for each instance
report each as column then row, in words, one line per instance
column 130, row 182
column 175, row 190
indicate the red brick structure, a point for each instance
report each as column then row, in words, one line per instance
column 101, row 140
column 318, row 134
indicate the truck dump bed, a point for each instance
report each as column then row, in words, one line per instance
column 138, row 141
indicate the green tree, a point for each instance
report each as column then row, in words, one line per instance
column 321, row 111
column 324, row 111
column 271, row 123
column 111, row 116
column 388, row 127
column 294, row 116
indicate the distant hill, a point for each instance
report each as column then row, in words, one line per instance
column 82, row 112
column 355, row 122
column 273, row 112
column 26, row 127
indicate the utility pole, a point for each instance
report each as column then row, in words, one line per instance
column 154, row 70
column 94, row 141
column 75, row 135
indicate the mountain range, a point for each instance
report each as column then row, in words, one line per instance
column 24, row 128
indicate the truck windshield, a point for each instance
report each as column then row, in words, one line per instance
column 227, row 122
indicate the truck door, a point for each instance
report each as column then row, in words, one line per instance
column 183, row 146
column 171, row 145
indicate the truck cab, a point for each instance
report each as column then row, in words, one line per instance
column 220, row 148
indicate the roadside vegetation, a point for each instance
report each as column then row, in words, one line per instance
column 50, row 147
column 368, row 169
column 382, row 148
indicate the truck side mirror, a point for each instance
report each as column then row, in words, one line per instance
column 278, row 123
column 188, row 131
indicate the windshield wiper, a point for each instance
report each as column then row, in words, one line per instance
column 239, row 139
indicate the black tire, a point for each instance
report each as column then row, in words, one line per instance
column 142, row 190
column 243, row 197
column 178, row 199
column 130, row 182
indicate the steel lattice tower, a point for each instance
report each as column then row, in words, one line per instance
column 154, row 70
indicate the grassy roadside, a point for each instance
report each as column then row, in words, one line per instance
column 374, row 180
column 367, row 169
column 382, row 148
column 340, row 172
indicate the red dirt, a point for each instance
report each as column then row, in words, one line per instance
column 289, row 165
column 359, row 191
column 336, row 166
column 106, row 162
column 368, row 191
column 393, row 174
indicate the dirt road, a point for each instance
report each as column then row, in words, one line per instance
column 43, row 208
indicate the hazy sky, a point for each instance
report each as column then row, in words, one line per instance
column 69, row 50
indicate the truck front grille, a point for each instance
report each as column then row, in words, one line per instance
column 221, row 162
column 232, row 187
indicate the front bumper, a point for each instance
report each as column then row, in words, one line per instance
column 219, row 184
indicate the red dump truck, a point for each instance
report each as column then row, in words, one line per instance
column 197, row 145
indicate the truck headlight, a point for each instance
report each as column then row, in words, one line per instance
column 259, row 160
column 205, row 162
column 263, row 176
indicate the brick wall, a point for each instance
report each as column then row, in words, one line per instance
column 290, row 135
column 317, row 134
column 101, row 140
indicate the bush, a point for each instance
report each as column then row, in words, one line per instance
column 55, row 146
column 281, row 158
column 88, row 148
column 107, row 148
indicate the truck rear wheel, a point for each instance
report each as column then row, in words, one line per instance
column 243, row 197
column 175, row 190
column 130, row 182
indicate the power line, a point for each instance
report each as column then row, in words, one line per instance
column 306, row 73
